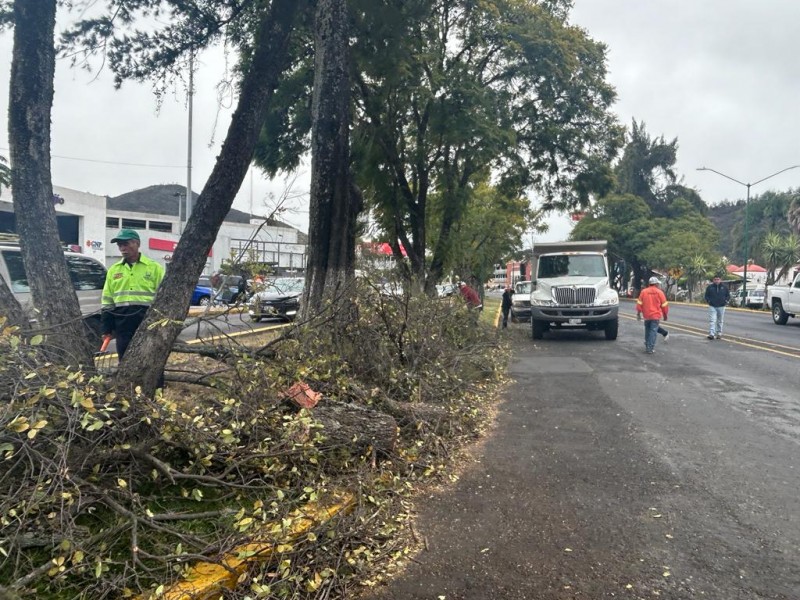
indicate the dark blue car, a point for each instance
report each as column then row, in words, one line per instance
column 201, row 296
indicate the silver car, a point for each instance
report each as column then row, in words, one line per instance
column 88, row 277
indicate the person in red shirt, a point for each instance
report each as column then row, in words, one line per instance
column 653, row 305
column 470, row 296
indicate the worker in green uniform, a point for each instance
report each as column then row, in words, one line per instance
column 129, row 290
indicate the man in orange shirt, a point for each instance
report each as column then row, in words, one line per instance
column 652, row 303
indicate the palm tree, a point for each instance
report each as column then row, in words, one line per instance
column 793, row 216
column 781, row 253
column 696, row 270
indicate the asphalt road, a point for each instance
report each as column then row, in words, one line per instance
column 610, row 473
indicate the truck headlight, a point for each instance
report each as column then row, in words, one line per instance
column 609, row 300
column 542, row 302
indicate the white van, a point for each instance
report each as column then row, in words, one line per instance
column 88, row 277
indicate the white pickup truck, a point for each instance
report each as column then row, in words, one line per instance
column 784, row 301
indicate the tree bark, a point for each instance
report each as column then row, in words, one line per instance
column 335, row 201
column 150, row 347
column 356, row 428
column 30, row 107
column 11, row 309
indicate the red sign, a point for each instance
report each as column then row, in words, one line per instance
column 577, row 216
column 166, row 245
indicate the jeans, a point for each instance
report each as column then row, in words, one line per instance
column 650, row 334
column 715, row 316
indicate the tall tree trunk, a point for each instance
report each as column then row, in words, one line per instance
column 334, row 201
column 150, row 347
column 11, row 309
column 30, row 106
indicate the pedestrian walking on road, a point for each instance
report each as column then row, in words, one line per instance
column 652, row 303
column 505, row 306
column 717, row 297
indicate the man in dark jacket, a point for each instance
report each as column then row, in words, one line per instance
column 506, row 305
column 716, row 296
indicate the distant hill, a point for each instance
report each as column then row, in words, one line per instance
column 766, row 212
column 727, row 217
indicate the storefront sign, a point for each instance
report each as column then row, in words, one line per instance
column 94, row 244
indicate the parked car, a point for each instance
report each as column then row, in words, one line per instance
column 230, row 288
column 88, row 277
column 444, row 290
column 202, row 295
column 755, row 298
column 521, row 302
column 279, row 299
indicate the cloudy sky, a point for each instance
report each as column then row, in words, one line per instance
column 720, row 75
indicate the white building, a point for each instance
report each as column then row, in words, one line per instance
column 87, row 222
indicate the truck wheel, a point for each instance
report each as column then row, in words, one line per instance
column 778, row 314
column 612, row 327
column 538, row 328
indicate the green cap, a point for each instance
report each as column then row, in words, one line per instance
column 124, row 235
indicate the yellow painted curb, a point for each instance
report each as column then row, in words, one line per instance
column 205, row 580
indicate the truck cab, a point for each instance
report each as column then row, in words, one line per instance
column 571, row 289
column 784, row 301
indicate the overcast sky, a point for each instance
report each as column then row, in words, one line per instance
column 723, row 76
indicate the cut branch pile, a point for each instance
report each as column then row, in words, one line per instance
column 105, row 494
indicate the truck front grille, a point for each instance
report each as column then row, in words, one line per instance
column 574, row 296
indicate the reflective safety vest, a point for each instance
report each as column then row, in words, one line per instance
column 132, row 285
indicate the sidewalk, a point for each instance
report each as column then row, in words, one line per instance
column 552, row 506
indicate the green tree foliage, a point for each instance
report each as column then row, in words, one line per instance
column 698, row 269
column 647, row 166
column 767, row 212
column 780, row 254
column 646, row 241
column 793, row 214
column 443, row 91
column 492, row 227
column 647, row 170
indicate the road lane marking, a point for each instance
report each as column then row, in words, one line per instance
column 775, row 348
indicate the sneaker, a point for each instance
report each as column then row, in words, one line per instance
column 666, row 337
column 719, row 337
column 711, row 337
column 649, row 351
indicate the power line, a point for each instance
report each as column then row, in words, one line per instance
column 111, row 162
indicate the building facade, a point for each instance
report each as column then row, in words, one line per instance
column 88, row 222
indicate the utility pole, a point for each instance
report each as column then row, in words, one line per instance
column 188, row 210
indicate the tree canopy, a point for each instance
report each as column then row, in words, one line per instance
column 444, row 91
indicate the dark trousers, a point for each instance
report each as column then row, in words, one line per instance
column 505, row 317
column 662, row 331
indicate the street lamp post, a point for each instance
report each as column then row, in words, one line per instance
column 180, row 197
column 746, row 204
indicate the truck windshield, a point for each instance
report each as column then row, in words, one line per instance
column 577, row 265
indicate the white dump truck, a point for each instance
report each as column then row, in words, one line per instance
column 572, row 288
column 784, row 301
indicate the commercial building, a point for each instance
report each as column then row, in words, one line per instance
column 87, row 223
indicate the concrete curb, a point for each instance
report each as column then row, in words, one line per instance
column 206, row 580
